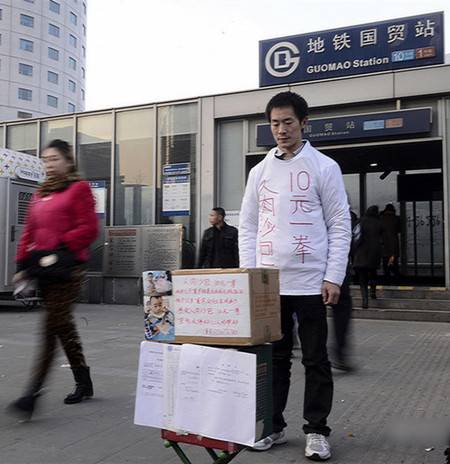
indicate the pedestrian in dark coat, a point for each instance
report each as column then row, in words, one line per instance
column 342, row 316
column 367, row 255
column 219, row 248
column 391, row 227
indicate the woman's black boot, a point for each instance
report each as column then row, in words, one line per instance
column 24, row 406
column 83, row 386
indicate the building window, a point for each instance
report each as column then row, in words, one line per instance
column 72, row 86
column 26, row 45
column 25, row 94
column 83, row 48
column 26, row 20
column 1, row 13
column 82, row 94
column 83, row 73
column 84, row 8
column 71, row 108
column 29, row 1
column 53, row 54
column 134, row 186
column 84, row 30
column 0, row 39
column 24, row 115
column 54, row 6
column 52, row 77
column 25, row 69
column 72, row 40
column 53, row 30
column 52, row 101
column 73, row 18
column 72, row 63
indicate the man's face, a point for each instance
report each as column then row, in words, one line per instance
column 286, row 128
column 214, row 218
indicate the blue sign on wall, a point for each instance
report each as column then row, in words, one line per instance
column 382, row 46
column 414, row 121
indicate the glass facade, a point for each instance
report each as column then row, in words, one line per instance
column 22, row 137
column 177, row 143
column 94, row 163
column 56, row 129
column 231, row 161
column 134, row 168
column 123, row 154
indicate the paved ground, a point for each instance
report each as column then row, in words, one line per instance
column 392, row 410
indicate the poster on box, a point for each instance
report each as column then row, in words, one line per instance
column 157, row 283
column 159, row 318
column 212, row 305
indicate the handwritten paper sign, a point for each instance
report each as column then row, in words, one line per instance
column 212, row 305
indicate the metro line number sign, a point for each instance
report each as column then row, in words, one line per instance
column 382, row 46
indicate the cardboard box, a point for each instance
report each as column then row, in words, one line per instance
column 238, row 307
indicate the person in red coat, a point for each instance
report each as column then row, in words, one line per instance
column 61, row 215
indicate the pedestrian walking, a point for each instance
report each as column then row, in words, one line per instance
column 342, row 317
column 295, row 217
column 391, row 227
column 61, row 224
column 367, row 255
column 219, row 247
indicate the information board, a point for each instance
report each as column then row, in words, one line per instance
column 129, row 251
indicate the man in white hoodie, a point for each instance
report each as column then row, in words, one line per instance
column 295, row 217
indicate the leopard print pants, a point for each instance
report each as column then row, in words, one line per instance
column 58, row 323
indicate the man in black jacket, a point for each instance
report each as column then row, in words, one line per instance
column 219, row 248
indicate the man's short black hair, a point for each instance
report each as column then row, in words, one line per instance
column 288, row 99
column 220, row 211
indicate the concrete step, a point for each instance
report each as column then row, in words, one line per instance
column 399, row 314
column 397, row 303
column 415, row 293
column 402, row 315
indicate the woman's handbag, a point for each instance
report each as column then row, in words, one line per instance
column 50, row 265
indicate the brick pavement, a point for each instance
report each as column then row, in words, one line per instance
column 391, row 410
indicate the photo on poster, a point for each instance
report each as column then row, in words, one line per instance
column 157, row 283
column 159, row 318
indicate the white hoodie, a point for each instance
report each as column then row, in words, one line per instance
column 295, row 217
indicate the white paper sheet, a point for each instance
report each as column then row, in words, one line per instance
column 156, row 387
column 149, row 391
column 170, row 378
column 216, row 394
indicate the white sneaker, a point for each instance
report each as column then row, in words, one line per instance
column 264, row 444
column 317, row 447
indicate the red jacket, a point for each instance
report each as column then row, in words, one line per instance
column 61, row 218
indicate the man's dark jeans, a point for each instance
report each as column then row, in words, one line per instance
column 311, row 315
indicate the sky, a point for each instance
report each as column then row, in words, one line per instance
column 146, row 51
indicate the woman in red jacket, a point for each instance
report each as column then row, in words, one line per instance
column 61, row 216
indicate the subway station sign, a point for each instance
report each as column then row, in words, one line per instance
column 360, row 126
column 382, row 46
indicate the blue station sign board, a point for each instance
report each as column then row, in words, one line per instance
column 381, row 46
column 360, row 126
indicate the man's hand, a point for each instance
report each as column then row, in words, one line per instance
column 330, row 293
